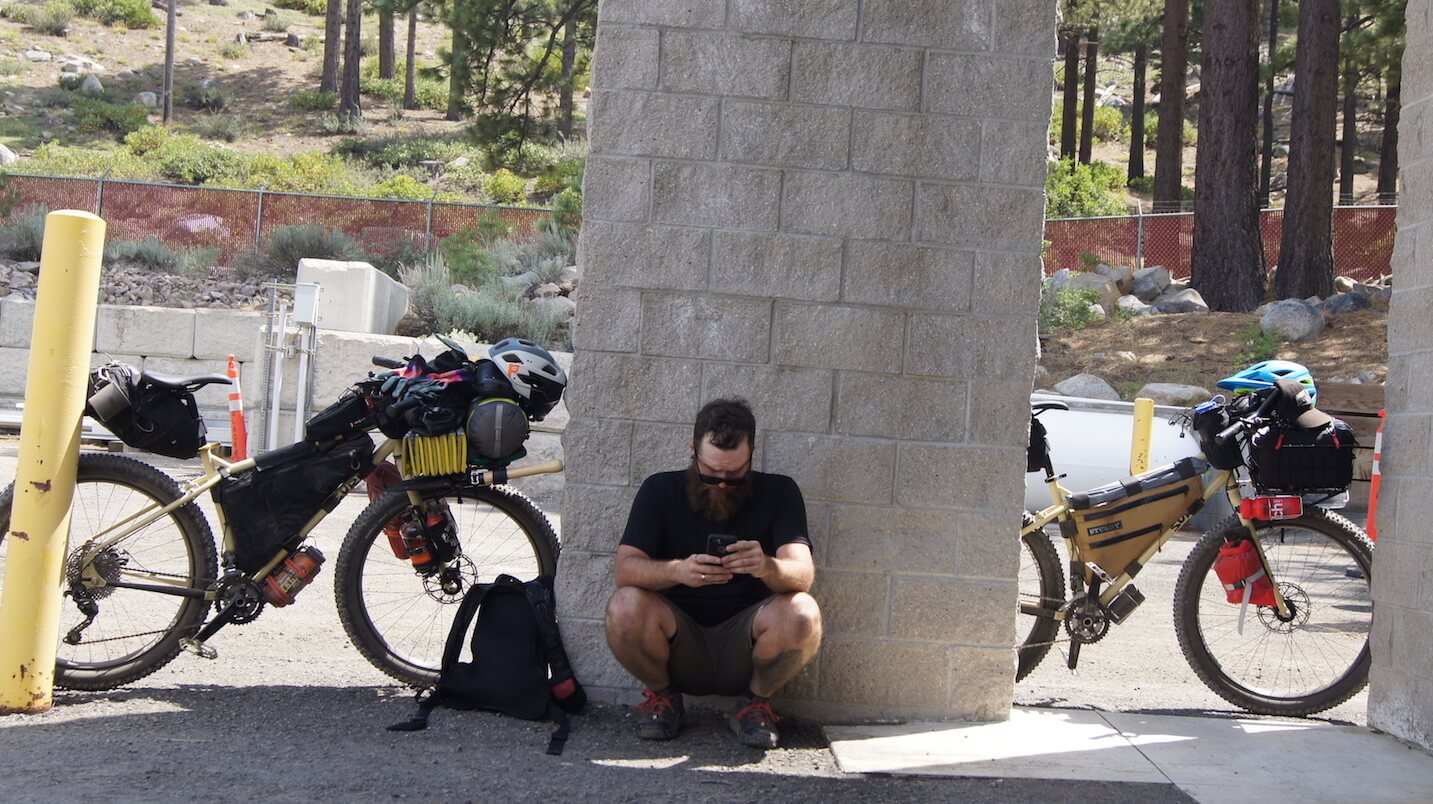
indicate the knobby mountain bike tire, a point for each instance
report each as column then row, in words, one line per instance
column 1314, row 660
column 1041, row 583
column 399, row 617
column 135, row 632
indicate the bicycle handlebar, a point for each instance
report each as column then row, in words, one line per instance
column 387, row 362
column 1244, row 421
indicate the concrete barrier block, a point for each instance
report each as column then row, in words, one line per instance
column 979, row 86
column 783, row 266
column 148, row 331
column 594, row 516
column 598, row 451
column 355, row 296
column 717, row 194
column 716, row 64
column 863, row 76
column 585, row 583
column 647, row 124
column 220, row 333
column 344, row 358
column 17, row 323
column 839, row 337
column 14, row 366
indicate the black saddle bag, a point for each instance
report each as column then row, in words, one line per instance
column 147, row 416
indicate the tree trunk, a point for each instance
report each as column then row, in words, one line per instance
column 1136, row 125
column 1228, row 256
column 569, row 63
column 410, row 69
column 1070, row 111
column 1087, row 121
column 1306, row 251
column 1266, row 173
column 1169, row 142
column 457, row 74
column 332, row 47
column 386, row 60
column 348, row 101
column 169, row 28
column 1349, row 146
column 1388, row 151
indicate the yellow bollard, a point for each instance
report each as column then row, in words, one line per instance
column 1139, row 440
column 60, row 346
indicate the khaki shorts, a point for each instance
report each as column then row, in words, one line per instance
column 712, row 660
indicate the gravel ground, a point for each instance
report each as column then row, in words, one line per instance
column 290, row 711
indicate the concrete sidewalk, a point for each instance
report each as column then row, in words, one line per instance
column 1211, row 759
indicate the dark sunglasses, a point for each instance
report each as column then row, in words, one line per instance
column 712, row 480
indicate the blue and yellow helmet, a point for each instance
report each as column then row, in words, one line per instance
column 1262, row 375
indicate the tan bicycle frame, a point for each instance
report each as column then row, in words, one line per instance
column 1224, row 481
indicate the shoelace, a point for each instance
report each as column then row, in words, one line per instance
column 652, row 704
column 760, row 708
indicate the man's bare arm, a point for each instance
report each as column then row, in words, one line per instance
column 790, row 570
column 634, row 567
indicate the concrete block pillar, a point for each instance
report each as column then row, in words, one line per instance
column 1400, row 700
column 833, row 209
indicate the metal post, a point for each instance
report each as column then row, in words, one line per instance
column 1139, row 235
column 49, row 459
column 1140, row 438
column 428, row 223
column 259, row 217
column 99, row 195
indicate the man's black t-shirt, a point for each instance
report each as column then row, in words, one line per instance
column 663, row 525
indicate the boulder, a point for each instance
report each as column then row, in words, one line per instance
column 195, row 225
column 1343, row 303
column 1168, row 393
column 560, row 307
column 1183, row 300
column 1122, row 276
column 1381, row 298
column 1057, row 280
column 148, row 100
column 7, row 156
column 1148, row 283
column 546, row 290
column 1293, row 320
column 36, row 55
column 1103, row 285
column 1342, row 284
column 91, row 86
column 1133, row 306
column 1087, row 386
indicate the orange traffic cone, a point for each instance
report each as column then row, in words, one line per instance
column 1376, row 477
column 238, row 433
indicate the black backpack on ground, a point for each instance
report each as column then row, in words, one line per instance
column 517, row 664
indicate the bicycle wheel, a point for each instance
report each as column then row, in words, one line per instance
column 1316, row 659
column 398, row 618
column 1042, row 585
column 134, row 632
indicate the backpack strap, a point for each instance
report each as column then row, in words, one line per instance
column 558, row 740
column 566, row 690
column 430, row 698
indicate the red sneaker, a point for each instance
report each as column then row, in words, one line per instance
column 659, row 716
column 755, row 724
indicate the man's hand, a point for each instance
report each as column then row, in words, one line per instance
column 700, row 569
column 747, row 558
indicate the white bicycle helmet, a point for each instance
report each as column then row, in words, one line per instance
column 534, row 374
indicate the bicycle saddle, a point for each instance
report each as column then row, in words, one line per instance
column 185, row 383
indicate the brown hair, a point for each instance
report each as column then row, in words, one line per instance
column 727, row 421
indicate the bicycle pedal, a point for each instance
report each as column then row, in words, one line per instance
column 198, row 648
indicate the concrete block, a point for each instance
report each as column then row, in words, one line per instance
column 897, row 407
column 1006, row 284
column 910, row 677
column 14, row 369
column 965, row 612
column 1408, row 323
column 1025, row 28
column 17, row 322
column 593, row 517
column 982, row 682
column 784, row 266
column 640, row 388
column 914, row 540
column 949, row 476
column 852, row 603
column 585, row 583
column 586, row 644
column 355, row 296
column 783, row 398
column 847, row 205
column 661, row 448
column 605, row 318
column 645, row 124
column 148, row 331
column 915, row 145
column 210, row 397
column 979, row 86
column 813, row 19
column 864, row 76
column 998, row 416
column 834, row 468
column 665, row 257
column 343, row 358
column 906, row 276
column 728, row 196
column 727, row 65
column 782, row 135
column 831, row 336
column 626, row 58
column 598, row 451
column 220, row 333
column 687, row 14
column 617, row 190
column 1005, row 150
column 716, row 327
column 971, row 347
column 950, row 24
column 965, row 216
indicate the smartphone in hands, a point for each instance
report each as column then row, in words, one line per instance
column 717, row 543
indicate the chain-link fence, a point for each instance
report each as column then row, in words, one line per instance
column 1362, row 241
column 238, row 221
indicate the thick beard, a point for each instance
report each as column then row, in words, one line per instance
column 713, row 502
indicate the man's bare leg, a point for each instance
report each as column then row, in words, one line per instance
column 639, row 628
column 787, row 633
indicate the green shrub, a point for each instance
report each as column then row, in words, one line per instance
column 563, row 175
column 1089, row 260
column 22, row 236
column 205, row 97
column 1073, row 190
column 489, row 314
column 308, row 172
column 145, row 139
column 401, row 185
column 1190, row 135
column 428, row 93
column 312, row 100
column 1143, row 185
column 1110, row 124
column 94, row 115
column 567, row 210
column 148, row 252
column 129, row 13
column 506, row 187
column 275, row 23
column 235, row 50
column 343, row 123
column 313, row 8
column 52, row 19
column 12, row 67
column 289, row 244
column 69, row 82
column 186, row 159
column 1256, row 345
column 313, row 43
column 53, row 159
column 1067, row 308
column 405, row 150
column 226, row 127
